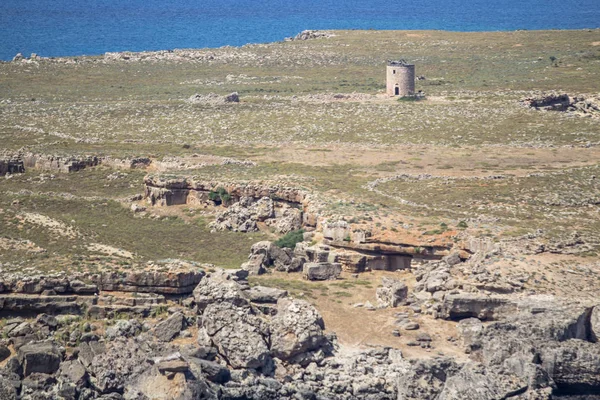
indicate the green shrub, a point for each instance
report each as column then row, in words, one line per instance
column 220, row 194
column 290, row 239
column 462, row 225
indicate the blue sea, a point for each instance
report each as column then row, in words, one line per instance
column 76, row 27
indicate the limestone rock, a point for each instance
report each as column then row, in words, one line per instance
column 7, row 390
column 469, row 331
column 74, row 372
column 263, row 294
column 459, row 306
column 218, row 288
column 169, row 328
column 424, row 379
column 124, row 328
column 175, row 277
column 452, row 259
column 321, row 271
column 595, row 324
column 172, row 366
column 296, row 328
column 255, row 264
column 392, row 293
column 118, row 363
column 474, row 381
column 572, row 364
column 213, row 371
column 239, row 335
column 42, row 357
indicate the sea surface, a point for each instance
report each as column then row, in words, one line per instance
column 77, row 27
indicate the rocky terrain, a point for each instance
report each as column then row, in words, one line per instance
column 262, row 222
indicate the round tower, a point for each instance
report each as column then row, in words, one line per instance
column 400, row 78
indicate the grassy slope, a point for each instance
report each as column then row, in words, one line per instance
column 473, row 82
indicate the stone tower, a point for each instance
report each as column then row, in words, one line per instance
column 400, row 78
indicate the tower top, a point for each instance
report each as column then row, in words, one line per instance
column 398, row 63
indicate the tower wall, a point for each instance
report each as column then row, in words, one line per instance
column 402, row 77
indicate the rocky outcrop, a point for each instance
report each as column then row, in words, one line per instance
column 475, row 381
column 312, row 34
column 170, row 280
column 245, row 215
column 91, row 292
column 466, row 305
column 283, row 208
column 258, row 343
column 383, row 252
column 165, row 190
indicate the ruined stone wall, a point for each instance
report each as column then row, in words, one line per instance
column 11, row 166
column 58, row 163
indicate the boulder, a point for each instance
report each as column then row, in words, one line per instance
column 296, row 328
column 23, row 329
column 469, row 331
column 239, row 335
column 392, row 293
column 74, row 372
column 123, row 328
column 321, row 271
column 47, row 320
column 452, row 259
column 218, row 288
column 213, row 371
column 255, row 264
column 263, row 294
column 232, row 98
column 42, row 357
column 169, row 328
column 89, row 350
column 281, row 258
column 116, row 364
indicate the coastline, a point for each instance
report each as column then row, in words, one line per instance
column 316, row 34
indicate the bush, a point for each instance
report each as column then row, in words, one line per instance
column 219, row 195
column 290, row 239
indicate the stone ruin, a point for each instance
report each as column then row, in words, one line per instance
column 582, row 105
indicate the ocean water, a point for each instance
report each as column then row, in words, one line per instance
column 76, row 27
